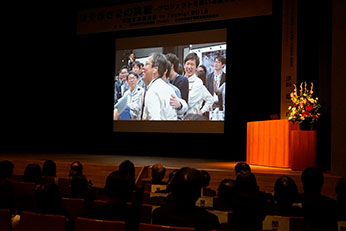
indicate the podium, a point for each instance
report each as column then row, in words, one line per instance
column 279, row 143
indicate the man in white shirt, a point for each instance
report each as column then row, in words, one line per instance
column 158, row 94
column 198, row 93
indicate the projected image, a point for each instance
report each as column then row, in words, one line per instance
column 185, row 82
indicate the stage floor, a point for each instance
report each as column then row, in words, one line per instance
column 97, row 168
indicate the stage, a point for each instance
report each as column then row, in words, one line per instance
column 98, row 167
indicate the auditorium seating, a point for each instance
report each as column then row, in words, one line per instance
column 41, row 222
column 74, row 207
column 152, row 227
column 87, row 224
column 5, row 220
column 24, row 193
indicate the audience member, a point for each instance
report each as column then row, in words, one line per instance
column 76, row 169
column 225, row 195
column 181, row 210
column 48, row 200
column 340, row 190
column 127, row 169
column 6, row 169
column 114, row 205
column 33, row 174
column 6, row 189
column 176, row 79
column 249, row 204
column 49, row 168
column 285, row 194
column 319, row 211
column 241, row 166
column 206, row 191
column 158, row 172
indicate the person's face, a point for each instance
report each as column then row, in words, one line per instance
column 218, row 65
column 122, row 74
column 136, row 69
column 190, row 67
column 148, row 71
column 132, row 80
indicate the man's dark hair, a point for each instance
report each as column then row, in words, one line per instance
column 312, row 179
column 285, row 191
column 158, row 172
column 246, row 181
column 226, row 192
column 174, row 60
column 124, row 67
column 6, row 169
column 76, row 169
column 117, row 186
column 205, row 178
column 241, row 166
column 221, row 59
column 192, row 56
column 32, row 173
column 136, row 63
column 186, row 186
column 132, row 73
column 49, row 168
column 160, row 61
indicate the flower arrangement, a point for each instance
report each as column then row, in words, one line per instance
column 305, row 108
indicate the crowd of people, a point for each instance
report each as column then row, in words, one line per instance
column 164, row 89
column 184, row 186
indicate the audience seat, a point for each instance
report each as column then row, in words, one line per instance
column 24, row 193
column 146, row 213
column 152, row 227
column 41, row 222
column 74, row 207
column 87, row 224
column 5, row 220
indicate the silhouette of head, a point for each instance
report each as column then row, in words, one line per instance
column 49, row 168
column 246, row 181
column 285, row 191
column 205, row 178
column 6, row 169
column 32, row 173
column 226, row 192
column 186, row 186
column 158, row 172
column 241, row 166
column 76, row 169
column 117, row 186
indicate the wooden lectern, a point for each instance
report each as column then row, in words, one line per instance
column 279, row 143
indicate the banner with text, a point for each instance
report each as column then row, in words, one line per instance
column 289, row 53
column 170, row 12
